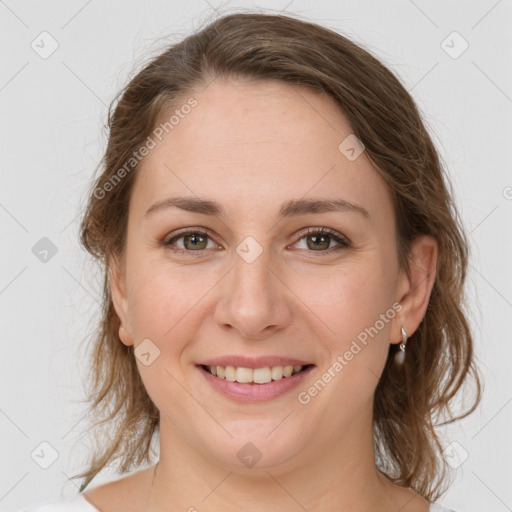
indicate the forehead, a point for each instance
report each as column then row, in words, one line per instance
column 256, row 145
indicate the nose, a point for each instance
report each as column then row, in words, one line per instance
column 254, row 300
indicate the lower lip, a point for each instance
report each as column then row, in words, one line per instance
column 255, row 392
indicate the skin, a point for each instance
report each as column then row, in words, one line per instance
column 251, row 147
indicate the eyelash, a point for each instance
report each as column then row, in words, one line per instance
column 342, row 242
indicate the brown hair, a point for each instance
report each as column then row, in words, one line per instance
column 254, row 46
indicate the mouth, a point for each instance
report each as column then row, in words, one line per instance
column 255, row 376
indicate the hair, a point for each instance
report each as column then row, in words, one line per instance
column 440, row 358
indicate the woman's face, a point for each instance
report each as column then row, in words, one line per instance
column 257, row 290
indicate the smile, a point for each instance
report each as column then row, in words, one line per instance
column 255, row 376
column 244, row 384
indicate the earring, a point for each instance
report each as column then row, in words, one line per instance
column 400, row 355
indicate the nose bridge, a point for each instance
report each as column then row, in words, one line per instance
column 250, row 280
column 253, row 300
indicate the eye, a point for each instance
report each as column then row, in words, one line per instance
column 192, row 240
column 319, row 240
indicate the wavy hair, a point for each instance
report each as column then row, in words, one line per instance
column 440, row 361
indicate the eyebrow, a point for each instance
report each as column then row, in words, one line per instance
column 290, row 208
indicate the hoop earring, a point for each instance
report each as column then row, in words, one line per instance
column 400, row 355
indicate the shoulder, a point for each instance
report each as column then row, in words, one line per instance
column 77, row 503
column 127, row 493
column 439, row 508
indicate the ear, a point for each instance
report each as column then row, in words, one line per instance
column 414, row 290
column 119, row 298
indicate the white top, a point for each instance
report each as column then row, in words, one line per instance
column 76, row 503
column 79, row 504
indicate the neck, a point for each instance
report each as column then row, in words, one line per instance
column 343, row 479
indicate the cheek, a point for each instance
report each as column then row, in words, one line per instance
column 167, row 301
column 346, row 299
column 164, row 307
column 157, row 302
column 355, row 308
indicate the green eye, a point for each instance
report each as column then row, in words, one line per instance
column 317, row 240
column 192, row 241
column 195, row 241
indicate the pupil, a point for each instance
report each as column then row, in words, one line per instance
column 196, row 240
column 316, row 238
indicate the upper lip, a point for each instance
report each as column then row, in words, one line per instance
column 254, row 362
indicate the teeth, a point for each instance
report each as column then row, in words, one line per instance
column 230, row 373
column 262, row 375
column 258, row 375
column 277, row 372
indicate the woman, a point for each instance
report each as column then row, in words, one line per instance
column 284, row 272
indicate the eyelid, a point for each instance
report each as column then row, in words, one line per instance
column 324, row 231
column 184, row 232
column 341, row 240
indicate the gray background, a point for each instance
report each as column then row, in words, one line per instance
column 52, row 136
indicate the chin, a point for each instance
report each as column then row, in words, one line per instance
column 253, row 449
